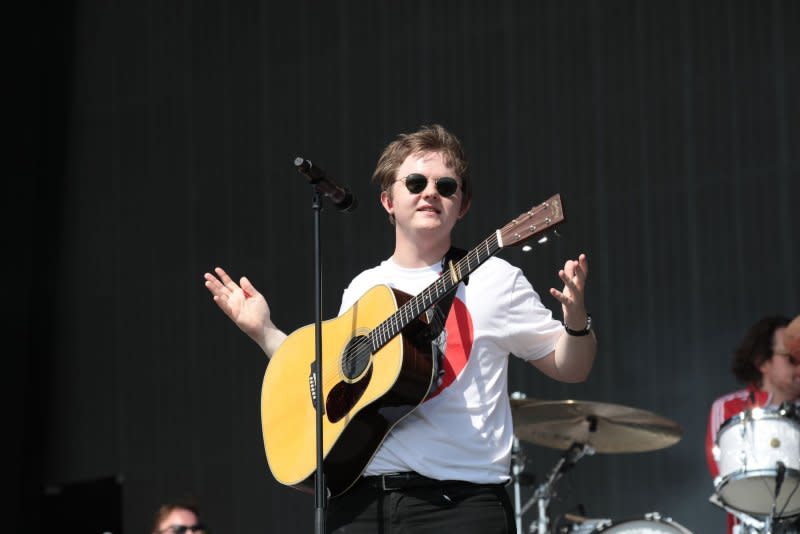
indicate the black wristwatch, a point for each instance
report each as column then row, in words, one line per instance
column 584, row 332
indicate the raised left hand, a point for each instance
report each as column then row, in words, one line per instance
column 574, row 276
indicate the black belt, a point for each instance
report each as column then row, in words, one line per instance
column 409, row 480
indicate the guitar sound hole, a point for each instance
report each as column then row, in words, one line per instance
column 356, row 357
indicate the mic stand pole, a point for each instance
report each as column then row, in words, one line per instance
column 320, row 492
column 344, row 200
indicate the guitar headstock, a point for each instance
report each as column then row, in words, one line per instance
column 538, row 219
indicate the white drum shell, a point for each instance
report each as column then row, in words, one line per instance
column 650, row 524
column 748, row 447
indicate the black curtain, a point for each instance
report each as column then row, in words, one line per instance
column 157, row 140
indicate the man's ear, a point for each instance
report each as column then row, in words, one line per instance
column 387, row 202
column 464, row 208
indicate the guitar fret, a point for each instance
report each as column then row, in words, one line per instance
column 386, row 331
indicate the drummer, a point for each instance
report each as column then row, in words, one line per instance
column 770, row 371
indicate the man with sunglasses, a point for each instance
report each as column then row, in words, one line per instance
column 445, row 465
column 178, row 518
column 771, row 372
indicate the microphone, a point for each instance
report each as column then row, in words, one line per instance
column 780, row 474
column 342, row 198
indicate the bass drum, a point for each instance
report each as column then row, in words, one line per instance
column 649, row 524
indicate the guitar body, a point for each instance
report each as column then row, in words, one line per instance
column 364, row 394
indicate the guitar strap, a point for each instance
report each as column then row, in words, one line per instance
column 435, row 332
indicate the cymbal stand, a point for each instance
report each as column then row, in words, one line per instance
column 517, row 467
column 545, row 491
column 780, row 476
column 753, row 524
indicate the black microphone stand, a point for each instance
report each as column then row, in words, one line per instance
column 320, row 492
column 345, row 201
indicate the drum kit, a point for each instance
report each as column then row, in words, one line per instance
column 583, row 428
column 758, row 455
column 757, row 451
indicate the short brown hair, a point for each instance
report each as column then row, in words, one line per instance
column 755, row 349
column 433, row 138
column 165, row 509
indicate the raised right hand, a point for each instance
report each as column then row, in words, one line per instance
column 246, row 307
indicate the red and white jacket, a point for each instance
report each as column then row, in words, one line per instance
column 723, row 409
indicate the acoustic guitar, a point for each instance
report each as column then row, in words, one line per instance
column 376, row 369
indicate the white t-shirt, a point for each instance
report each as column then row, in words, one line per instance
column 463, row 431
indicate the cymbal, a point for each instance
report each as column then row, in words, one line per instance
column 607, row 428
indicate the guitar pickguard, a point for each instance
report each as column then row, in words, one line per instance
column 343, row 396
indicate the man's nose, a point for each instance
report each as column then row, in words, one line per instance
column 430, row 189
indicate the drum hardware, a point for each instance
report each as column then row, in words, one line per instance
column 788, row 409
column 546, row 490
column 749, row 524
column 518, row 476
column 771, row 521
column 749, row 521
column 580, row 428
column 585, row 525
column 652, row 523
column 780, row 476
column 517, row 467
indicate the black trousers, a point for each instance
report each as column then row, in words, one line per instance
column 434, row 507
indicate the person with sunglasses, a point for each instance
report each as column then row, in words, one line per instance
column 178, row 518
column 771, row 374
column 446, row 464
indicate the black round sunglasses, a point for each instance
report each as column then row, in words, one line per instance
column 183, row 529
column 416, row 183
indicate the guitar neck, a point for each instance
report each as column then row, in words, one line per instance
column 453, row 274
column 527, row 225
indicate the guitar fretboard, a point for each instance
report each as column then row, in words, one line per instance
column 429, row 296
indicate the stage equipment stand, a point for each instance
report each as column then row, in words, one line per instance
column 345, row 201
column 320, row 491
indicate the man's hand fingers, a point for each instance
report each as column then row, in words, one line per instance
column 226, row 280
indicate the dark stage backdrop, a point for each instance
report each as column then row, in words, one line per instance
column 158, row 139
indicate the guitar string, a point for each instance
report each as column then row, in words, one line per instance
column 387, row 330
column 383, row 333
column 390, row 327
column 392, row 332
